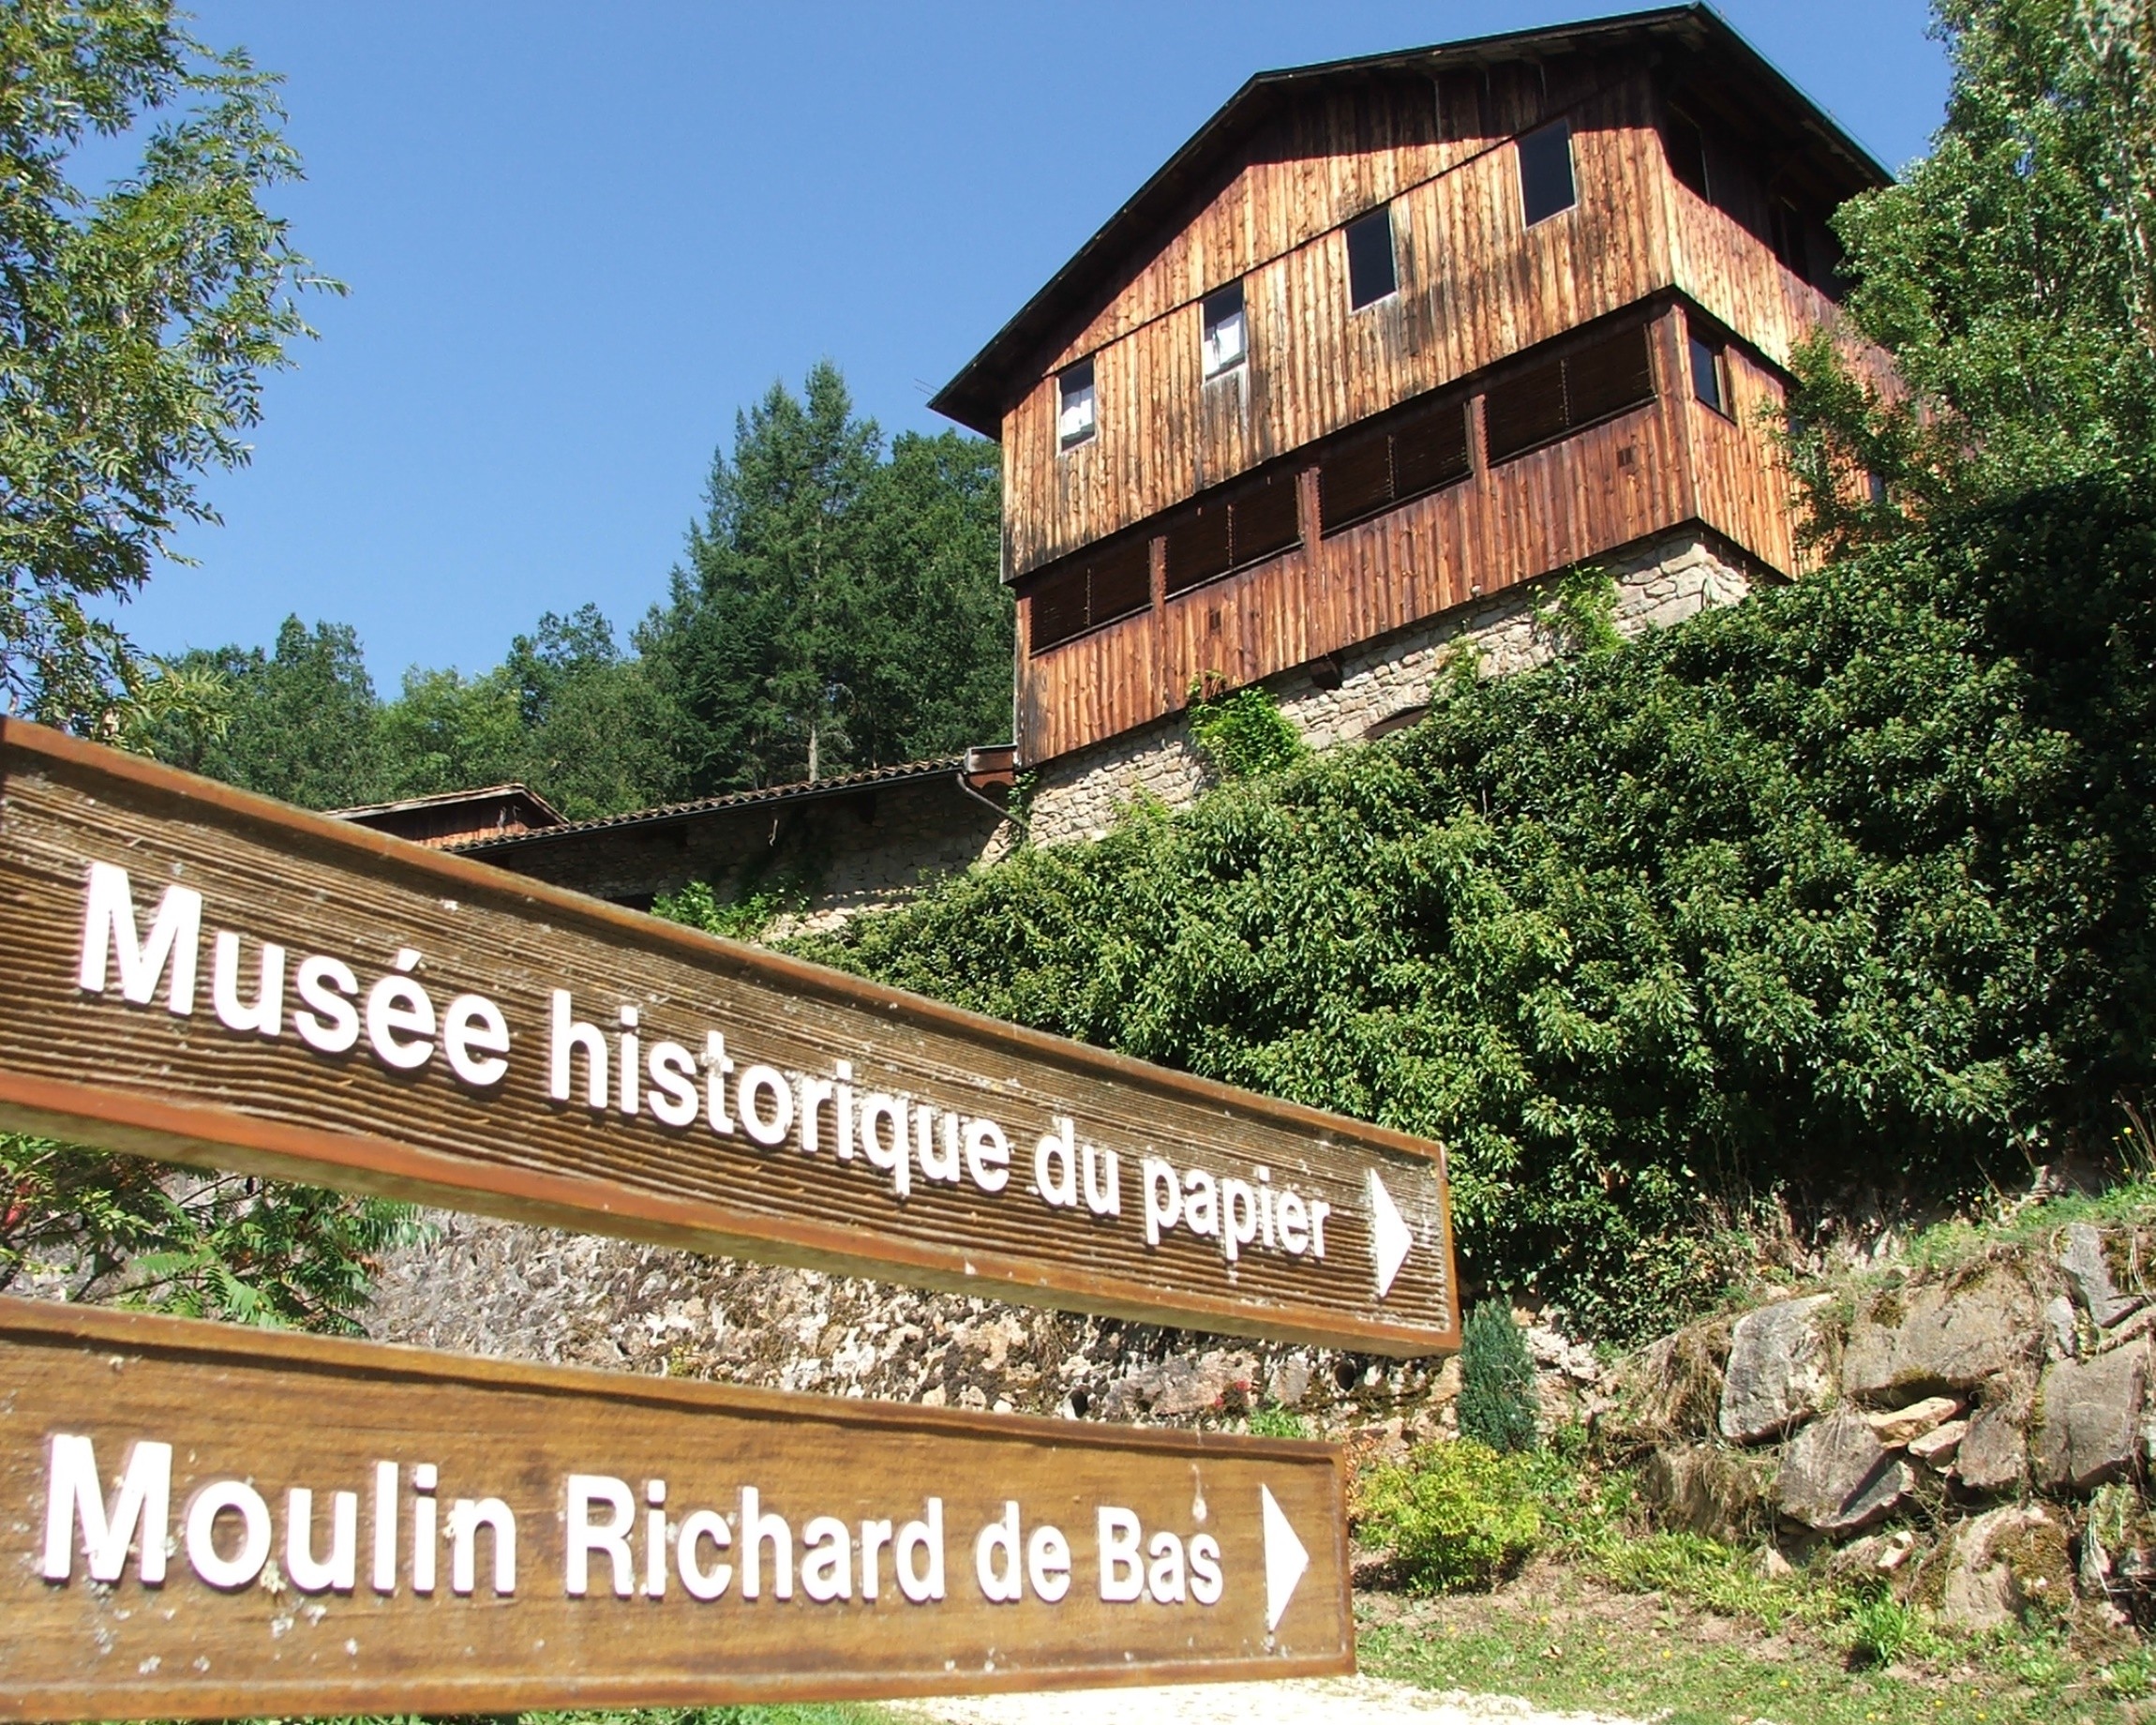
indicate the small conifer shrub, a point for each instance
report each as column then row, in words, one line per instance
column 1497, row 1400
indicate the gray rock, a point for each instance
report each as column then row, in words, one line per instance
column 2061, row 1335
column 1780, row 1371
column 1837, row 1477
column 1936, row 1447
column 2089, row 1272
column 1178, row 1387
column 1940, row 1338
column 2001, row 1565
column 2089, row 1418
column 1993, row 1454
column 1290, row 1381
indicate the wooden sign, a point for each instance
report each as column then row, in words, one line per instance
column 201, row 1522
column 196, row 973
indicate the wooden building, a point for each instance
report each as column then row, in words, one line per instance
column 1388, row 339
column 450, row 819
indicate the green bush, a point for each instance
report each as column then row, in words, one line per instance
column 1243, row 734
column 1454, row 1516
column 1497, row 1400
column 1853, row 883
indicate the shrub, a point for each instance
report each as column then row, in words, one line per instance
column 1454, row 1516
column 1497, row 1400
column 1244, row 734
column 1850, row 883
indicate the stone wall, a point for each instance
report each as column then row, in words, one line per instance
column 1381, row 684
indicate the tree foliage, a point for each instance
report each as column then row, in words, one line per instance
column 1498, row 1402
column 136, row 322
column 836, row 609
column 2011, row 274
column 89, row 1225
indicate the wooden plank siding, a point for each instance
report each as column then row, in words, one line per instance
column 1477, row 290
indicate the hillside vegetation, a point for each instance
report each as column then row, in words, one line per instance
column 1849, row 885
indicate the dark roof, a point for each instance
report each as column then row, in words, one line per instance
column 806, row 792
column 979, row 395
column 361, row 812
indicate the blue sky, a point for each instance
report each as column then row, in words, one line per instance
column 579, row 238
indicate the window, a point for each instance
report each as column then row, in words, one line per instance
column 1094, row 587
column 1710, row 382
column 1074, row 420
column 1608, row 376
column 1370, row 272
column 1367, row 473
column 1225, row 343
column 1686, row 146
column 1546, row 173
column 1242, row 524
column 1786, row 233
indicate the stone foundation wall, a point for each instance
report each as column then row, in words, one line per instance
column 1381, row 684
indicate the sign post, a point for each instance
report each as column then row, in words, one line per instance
column 196, row 973
column 209, row 1523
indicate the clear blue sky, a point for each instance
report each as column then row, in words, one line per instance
column 579, row 237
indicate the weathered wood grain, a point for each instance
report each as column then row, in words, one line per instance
column 278, row 1412
column 98, row 1068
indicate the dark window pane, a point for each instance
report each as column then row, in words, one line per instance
column 1370, row 273
column 1686, row 148
column 1707, row 374
column 1266, row 523
column 1545, row 172
column 1787, row 235
column 1057, row 610
column 1429, row 450
column 1225, row 337
column 1354, row 481
column 1074, row 421
column 1525, row 410
column 1198, row 546
column 1121, row 581
column 1608, row 376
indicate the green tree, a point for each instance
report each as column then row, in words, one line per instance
column 2010, row 275
column 595, row 730
column 136, row 322
column 1497, row 1400
column 835, row 610
column 299, row 722
column 753, row 641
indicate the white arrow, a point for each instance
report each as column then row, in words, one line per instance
column 1389, row 1234
column 1285, row 1559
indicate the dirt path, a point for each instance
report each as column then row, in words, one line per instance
column 1328, row 1701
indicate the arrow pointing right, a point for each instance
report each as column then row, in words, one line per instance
column 1285, row 1559
column 1389, row 1236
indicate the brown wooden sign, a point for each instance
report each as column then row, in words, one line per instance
column 196, row 973
column 205, row 1523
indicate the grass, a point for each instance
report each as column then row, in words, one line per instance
column 1676, row 1667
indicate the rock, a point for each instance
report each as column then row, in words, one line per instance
column 2089, row 1417
column 1445, row 1387
column 1904, row 1424
column 1291, row 1381
column 1837, row 1477
column 2061, row 1335
column 1773, row 1567
column 1554, row 1351
column 1700, row 1488
column 1940, row 1338
column 1780, row 1371
column 2004, row 1564
column 1179, row 1385
column 2087, row 1272
column 1936, row 1447
column 1873, row 1555
column 1992, row 1453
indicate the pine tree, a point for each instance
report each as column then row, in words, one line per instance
column 1497, row 1400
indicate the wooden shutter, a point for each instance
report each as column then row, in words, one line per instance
column 1429, row 450
column 1198, row 546
column 1263, row 517
column 1120, row 582
column 1355, row 480
column 1608, row 376
column 1056, row 609
column 1525, row 410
